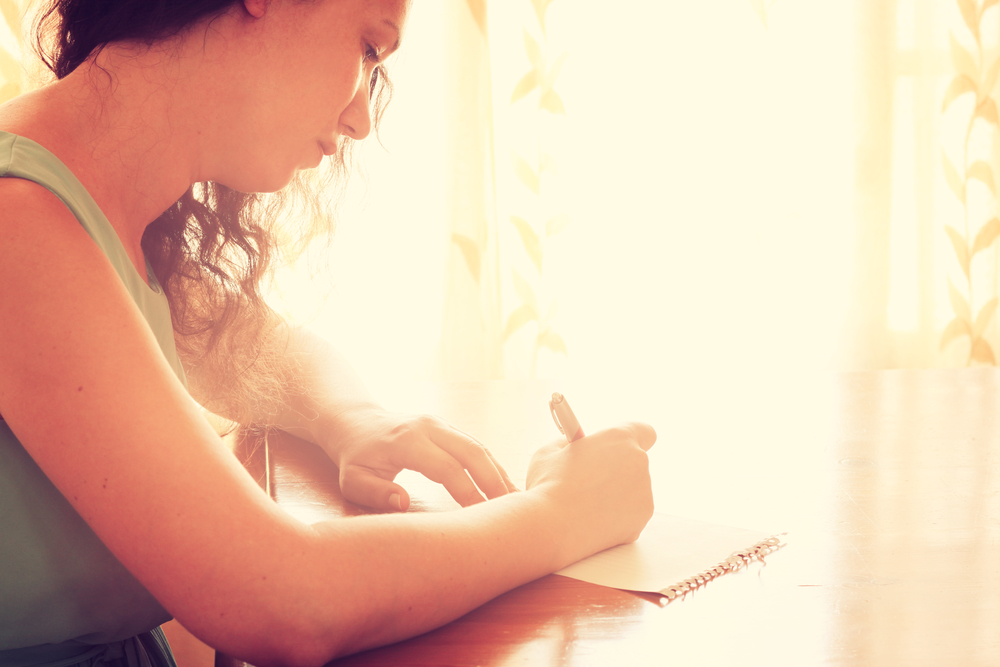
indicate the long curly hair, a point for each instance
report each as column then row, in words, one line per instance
column 215, row 250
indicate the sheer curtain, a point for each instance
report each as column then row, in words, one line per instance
column 926, row 161
column 673, row 194
column 776, row 184
column 579, row 190
column 705, row 163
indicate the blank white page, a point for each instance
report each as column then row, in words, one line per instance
column 669, row 551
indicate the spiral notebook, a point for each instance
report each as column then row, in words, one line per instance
column 674, row 556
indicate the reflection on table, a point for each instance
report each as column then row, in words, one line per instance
column 886, row 483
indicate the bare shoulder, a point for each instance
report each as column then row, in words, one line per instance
column 87, row 391
column 55, row 280
column 42, row 244
column 29, row 209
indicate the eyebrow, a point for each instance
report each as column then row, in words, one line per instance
column 398, row 33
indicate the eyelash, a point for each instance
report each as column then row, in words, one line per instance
column 371, row 55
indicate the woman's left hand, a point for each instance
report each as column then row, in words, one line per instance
column 371, row 446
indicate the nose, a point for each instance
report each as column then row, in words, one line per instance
column 356, row 118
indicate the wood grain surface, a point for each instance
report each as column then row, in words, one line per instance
column 886, row 483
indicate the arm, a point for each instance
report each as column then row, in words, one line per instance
column 315, row 374
column 86, row 390
column 329, row 405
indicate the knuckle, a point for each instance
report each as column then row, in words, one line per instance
column 620, row 430
column 624, row 432
column 477, row 447
column 404, row 430
column 426, row 421
column 413, row 427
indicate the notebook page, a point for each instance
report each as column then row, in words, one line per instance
column 670, row 550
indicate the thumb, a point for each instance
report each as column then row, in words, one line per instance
column 364, row 487
column 644, row 434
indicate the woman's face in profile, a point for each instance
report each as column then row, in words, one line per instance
column 304, row 84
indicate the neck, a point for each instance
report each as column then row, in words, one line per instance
column 131, row 125
column 122, row 139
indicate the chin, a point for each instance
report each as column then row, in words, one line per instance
column 258, row 173
column 262, row 183
column 315, row 160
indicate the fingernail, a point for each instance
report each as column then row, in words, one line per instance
column 394, row 501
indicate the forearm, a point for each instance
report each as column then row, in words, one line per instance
column 330, row 406
column 369, row 581
column 430, row 569
column 320, row 385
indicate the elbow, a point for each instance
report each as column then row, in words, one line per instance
column 286, row 643
column 275, row 636
column 311, row 650
column 280, row 611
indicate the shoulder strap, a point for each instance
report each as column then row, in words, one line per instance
column 23, row 158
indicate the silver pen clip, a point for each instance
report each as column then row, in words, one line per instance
column 556, row 398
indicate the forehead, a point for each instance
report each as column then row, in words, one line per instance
column 393, row 12
column 376, row 13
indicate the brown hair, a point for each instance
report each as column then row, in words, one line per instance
column 215, row 249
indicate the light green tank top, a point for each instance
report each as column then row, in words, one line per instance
column 61, row 590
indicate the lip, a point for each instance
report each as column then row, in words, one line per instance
column 328, row 148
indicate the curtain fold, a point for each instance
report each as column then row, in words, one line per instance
column 866, row 343
column 471, row 345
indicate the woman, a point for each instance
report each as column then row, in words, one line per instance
column 121, row 195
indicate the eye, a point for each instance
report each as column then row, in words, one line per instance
column 372, row 56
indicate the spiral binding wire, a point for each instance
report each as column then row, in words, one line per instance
column 736, row 561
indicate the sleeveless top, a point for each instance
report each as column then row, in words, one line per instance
column 64, row 598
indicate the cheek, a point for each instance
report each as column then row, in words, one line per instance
column 314, row 108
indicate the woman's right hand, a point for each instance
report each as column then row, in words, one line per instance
column 600, row 483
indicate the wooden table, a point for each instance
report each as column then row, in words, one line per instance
column 887, row 483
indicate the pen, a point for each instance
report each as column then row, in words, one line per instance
column 565, row 419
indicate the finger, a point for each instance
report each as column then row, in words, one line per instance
column 473, row 457
column 511, row 487
column 362, row 486
column 438, row 466
column 644, row 434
